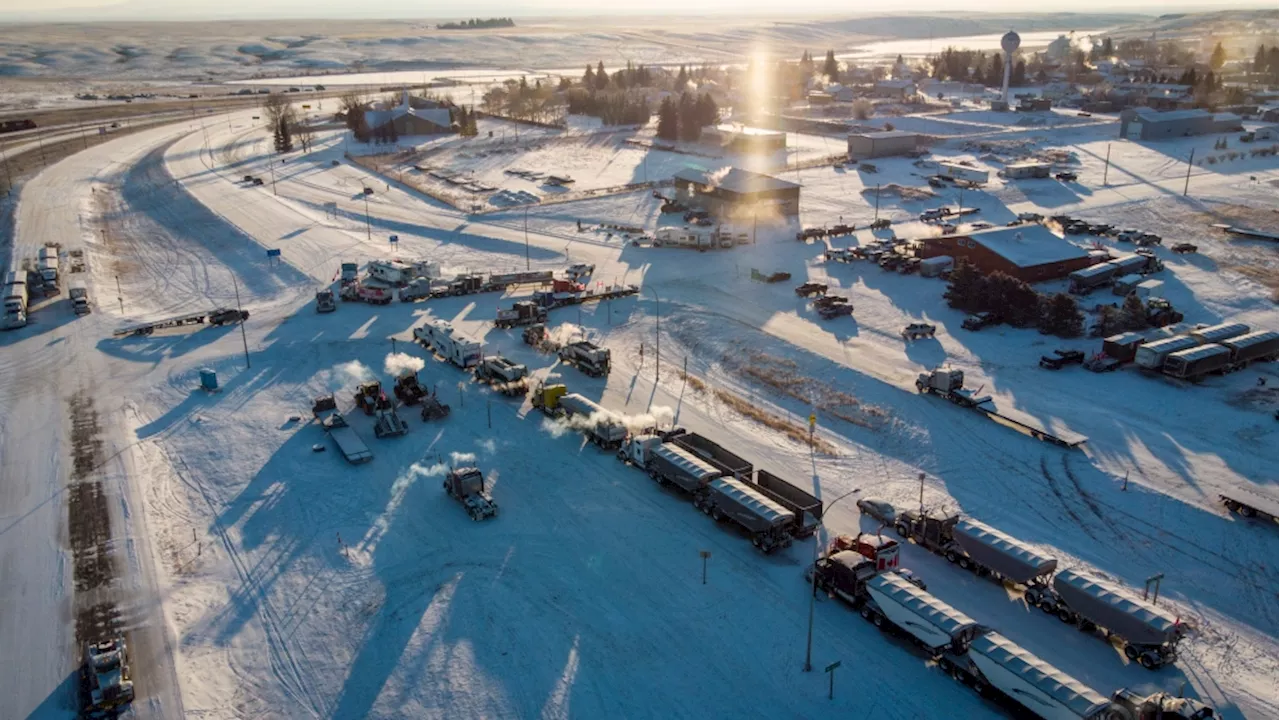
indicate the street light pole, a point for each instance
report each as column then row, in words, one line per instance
column 813, row 596
column 526, row 237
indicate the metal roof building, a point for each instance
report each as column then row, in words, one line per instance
column 885, row 143
column 1144, row 123
column 1028, row 252
column 734, row 191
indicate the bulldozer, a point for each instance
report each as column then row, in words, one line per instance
column 370, row 397
column 408, row 389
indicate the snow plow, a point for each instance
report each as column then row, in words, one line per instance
column 369, row 397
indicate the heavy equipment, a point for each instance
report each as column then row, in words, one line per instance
column 432, row 408
column 408, row 389
column 370, row 397
column 602, row 427
column 387, row 423
column 466, row 485
column 915, row 331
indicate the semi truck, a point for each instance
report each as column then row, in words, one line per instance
column 993, row 553
column 441, row 336
column 105, row 679
column 767, row 522
column 325, row 302
column 507, row 377
column 714, row 453
column 49, row 271
column 668, row 463
column 524, row 312
column 1149, row 634
column 806, row 508
column 79, row 295
column 466, row 485
column 587, row 357
column 602, row 427
column 216, row 316
column 15, row 301
column 982, row 658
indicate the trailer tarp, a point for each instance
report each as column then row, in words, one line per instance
column 1055, row 685
column 1006, row 555
column 1109, row 606
column 759, row 505
column 939, row 614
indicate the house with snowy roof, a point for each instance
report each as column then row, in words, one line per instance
column 410, row 117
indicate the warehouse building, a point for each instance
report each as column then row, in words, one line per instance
column 885, row 143
column 737, row 192
column 1147, row 124
column 1028, row 252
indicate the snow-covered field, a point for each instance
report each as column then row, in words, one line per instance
column 279, row 581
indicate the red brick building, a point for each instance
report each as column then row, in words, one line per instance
column 1027, row 252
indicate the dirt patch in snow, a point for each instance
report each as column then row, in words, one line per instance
column 774, row 422
column 89, row 524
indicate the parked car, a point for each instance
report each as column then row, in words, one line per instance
column 1184, row 248
column 1060, row 358
column 881, row 510
column 1065, row 176
column 979, row 321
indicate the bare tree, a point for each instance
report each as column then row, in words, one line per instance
column 277, row 107
column 304, row 134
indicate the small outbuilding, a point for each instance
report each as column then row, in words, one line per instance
column 739, row 138
column 885, row 143
column 737, row 192
column 1028, row 252
column 1022, row 170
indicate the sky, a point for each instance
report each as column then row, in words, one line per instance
column 93, row 10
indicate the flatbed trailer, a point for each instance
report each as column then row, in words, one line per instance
column 1249, row 504
column 215, row 316
column 552, row 300
column 1028, row 425
column 348, row 442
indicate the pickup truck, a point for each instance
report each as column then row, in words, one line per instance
column 980, row 320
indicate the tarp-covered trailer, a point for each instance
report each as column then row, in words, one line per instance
column 768, row 522
column 935, row 266
column 1261, row 345
column 1218, row 333
column 670, row 463
column 807, row 508
column 1151, row 356
column 1150, row 634
column 1196, row 362
column 712, row 452
column 1003, row 555
column 1126, row 264
column 935, row 625
column 605, row 430
column 1031, row 682
column 1094, row 276
column 1122, row 347
column 1250, row 503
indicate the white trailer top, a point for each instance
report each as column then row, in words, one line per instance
column 1053, row 693
column 770, row 511
column 944, row 617
column 684, row 460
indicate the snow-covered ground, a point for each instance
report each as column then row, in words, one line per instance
column 296, row 585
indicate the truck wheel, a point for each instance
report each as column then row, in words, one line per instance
column 865, row 612
column 952, row 557
column 716, row 514
column 1030, row 598
column 1149, row 661
column 964, row 563
column 1065, row 615
column 1247, row 511
column 705, row 508
column 878, row 620
column 901, row 530
column 1131, row 652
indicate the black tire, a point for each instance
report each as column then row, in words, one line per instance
column 1149, row 661
column 964, row 563
column 1065, row 615
column 1131, row 652
column 1247, row 511
column 716, row 514
column 952, row 557
column 901, row 530
column 865, row 612
column 878, row 620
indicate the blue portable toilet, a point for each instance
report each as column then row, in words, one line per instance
column 208, row 379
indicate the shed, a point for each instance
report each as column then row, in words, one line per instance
column 1022, row 170
column 1028, row 252
column 1144, row 123
column 1122, row 347
column 884, row 143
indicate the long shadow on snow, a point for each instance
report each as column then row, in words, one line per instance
column 169, row 343
column 150, row 189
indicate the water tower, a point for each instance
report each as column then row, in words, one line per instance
column 1009, row 43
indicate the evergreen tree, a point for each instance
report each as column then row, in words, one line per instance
column 1062, row 316
column 668, row 120
column 995, row 73
column 1019, row 78
column 588, row 78
column 681, row 79
column 393, row 135
column 966, row 287
column 565, row 84
column 1109, row 322
column 830, row 67
column 1260, row 59
column 361, row 131
column 690, row 128
column 1108, row 48
column 1133, row 313
column 1219, row 57
column 602, row 77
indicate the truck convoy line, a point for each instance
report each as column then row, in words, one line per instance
column 980, row 657
column 1150, row 635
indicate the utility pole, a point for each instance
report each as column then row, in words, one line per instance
column 8, row 174
column 272, row 164
column 368, row 228
column 1187, row 184
column 1107, row 166
column 921, row 494
column 526, row 237
column 243, row 339
column 813, row 596
column 657, row 336
column 705, row 555
column 877, row 217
